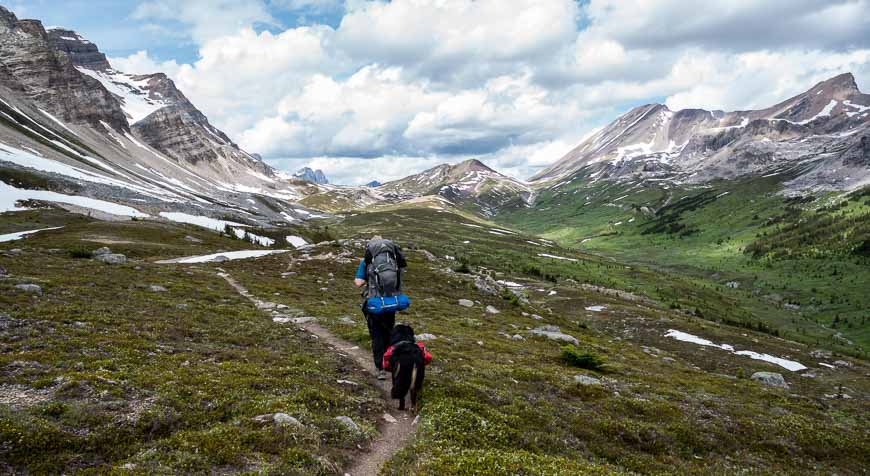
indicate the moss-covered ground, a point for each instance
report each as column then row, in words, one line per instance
column 102, row 374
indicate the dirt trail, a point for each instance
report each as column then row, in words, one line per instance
column 396, row 427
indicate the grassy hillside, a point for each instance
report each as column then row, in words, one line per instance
column 797, row 265
column 102, row 373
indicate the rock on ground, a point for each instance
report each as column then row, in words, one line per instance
column 283, row 419
column 101, row 252
column 554, row 333
column 3, row 271
column 466, row 303
column 29, row 288
column 586, row 380
column 487, row 285
column 492, row 310
column 772, row 379
column 423, row 337
column 155, row 288
column 192, row 239
column 111, row 258
column 348, row 423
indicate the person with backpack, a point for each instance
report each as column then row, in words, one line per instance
column 380, row 271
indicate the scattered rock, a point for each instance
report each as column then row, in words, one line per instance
column 390, row 418
column 283, row 419
column 128, row 466
column 668, row 359
column 772, row 379
column 554, row 333
column 192, row 239
column 3, row 271
column 487, row 285
column 346, row 320
column 111, row 258
column 15, row 251
column 29, row 288
column 492, row 310
column 733, row 284
column 155, row 288
column 821, row 354
column 347, row 382
column 517, row 337
column 792, row 307
column 537, row 317
column 182, row 306
column 101, row 252
column 425, row 337
column 220, row 259
column 348, row 423
column 842, row 363
column 466, row 303
column 586, row 380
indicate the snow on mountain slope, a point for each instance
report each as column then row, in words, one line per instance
column 132, row 91
column 71, row 122
column 653, row 142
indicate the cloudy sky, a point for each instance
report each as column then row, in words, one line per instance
column 379, row 90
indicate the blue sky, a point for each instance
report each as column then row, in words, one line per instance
column 369, row 89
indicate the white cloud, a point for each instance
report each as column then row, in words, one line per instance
column 206, row 19
column 404, row 85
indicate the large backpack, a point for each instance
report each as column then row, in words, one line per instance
column 382, row 269
column 383, row 263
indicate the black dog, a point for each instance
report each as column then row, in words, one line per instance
column 407, row 360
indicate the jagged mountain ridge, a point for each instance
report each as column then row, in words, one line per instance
column 823, row 129
column 314, row 176
column 68, row 116
column 469, row 182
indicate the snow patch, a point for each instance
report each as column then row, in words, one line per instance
column 9, row 195
column 296, row 241
column 229, row 255
column 545, row 255
column 784, row 363
column 21, row 234
column 205, row 222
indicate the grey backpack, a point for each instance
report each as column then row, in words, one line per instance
column 382, row 268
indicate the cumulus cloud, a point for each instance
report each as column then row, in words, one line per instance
column 407, row 84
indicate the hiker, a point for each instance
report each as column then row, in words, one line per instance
column 381, row 272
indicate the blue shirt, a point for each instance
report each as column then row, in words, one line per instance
column 361, row 271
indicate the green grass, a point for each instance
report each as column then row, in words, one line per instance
column 779, row 251
column 170, row 382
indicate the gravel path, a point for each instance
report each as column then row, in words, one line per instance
column 396, row 427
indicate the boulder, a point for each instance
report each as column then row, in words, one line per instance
column 772, row 379
column 586, row 380
column 348, row 423
column 220, row 259
column 487, row 285
column 101, row 252
column 425, row 337
column 283, row 419
column 554, row 333
column 154, row 288
column 112, row 258
column 466, row 303
column 492, row 310
column 29, row 288
column 537, row 317
column 429, row 256
column 517, row 337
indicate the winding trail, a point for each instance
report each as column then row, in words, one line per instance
column 396, row 427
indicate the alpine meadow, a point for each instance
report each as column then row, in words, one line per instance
column 435, row 237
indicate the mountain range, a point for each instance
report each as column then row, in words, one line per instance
column 71, row 123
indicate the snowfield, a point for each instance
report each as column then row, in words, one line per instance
column 21, row 234
column 784, row 363
column 10, row 195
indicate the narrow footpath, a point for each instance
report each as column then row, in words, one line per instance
column 396, row 427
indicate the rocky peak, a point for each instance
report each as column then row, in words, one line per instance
column 473, row 165
column 80, row 51
column 840, row 87
column 31, row 64
column 313, row 176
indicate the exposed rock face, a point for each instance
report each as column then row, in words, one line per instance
column 823, row 128
column 34, row 67
column 82, row 52
column 771, row 379
column 313, row 176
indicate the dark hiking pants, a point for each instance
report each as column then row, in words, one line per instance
column 380, row 328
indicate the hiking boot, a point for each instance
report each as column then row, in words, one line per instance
column 382, row 375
